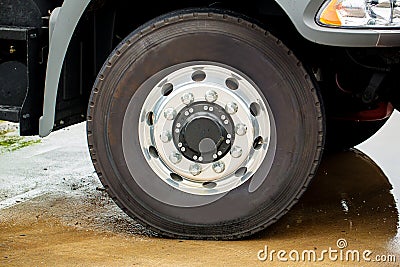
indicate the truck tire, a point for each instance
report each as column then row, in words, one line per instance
column 202, row 125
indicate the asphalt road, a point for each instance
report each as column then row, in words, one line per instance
column 54, row 212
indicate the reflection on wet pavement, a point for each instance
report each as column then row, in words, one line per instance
column 351, row 199
column 349, row 210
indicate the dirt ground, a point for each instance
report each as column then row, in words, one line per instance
column 54, row 212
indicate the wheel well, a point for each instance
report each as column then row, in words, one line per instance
column 106, row 23
column 129, row 17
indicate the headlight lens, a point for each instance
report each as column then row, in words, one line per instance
column 360, row 13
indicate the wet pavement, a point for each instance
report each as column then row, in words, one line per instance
column 54, row 212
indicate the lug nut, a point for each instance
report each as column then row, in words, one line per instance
column 231, row 108
column 218, row 166
column 211, row 96
column 236, row 151
column 187, row 98
column 241, row 129
column 170, row 114
column 175, row 157
column 195, row 169
column 166, row 136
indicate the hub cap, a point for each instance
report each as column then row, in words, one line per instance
column 205, row 129
column 203, row 132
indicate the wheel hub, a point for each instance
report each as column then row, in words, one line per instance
column 203, row 132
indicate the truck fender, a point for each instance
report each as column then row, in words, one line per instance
column 62, row 27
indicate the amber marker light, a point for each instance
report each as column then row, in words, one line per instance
column 329, row 14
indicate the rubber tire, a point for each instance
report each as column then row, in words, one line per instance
column 230, row 39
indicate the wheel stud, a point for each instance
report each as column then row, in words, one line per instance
column 187, row 98
column 175, row 157
column 195, row 169
column 170, row 114
column 218, row 166
column 241, row 129
column 211, row 96
column 236, row 151
column 166, row 136
column 231, row 108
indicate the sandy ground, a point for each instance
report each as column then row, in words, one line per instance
column 54, row 212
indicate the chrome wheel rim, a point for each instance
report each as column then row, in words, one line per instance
column 205, row 129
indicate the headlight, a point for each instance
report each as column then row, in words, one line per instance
column 360, row 13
